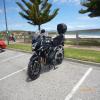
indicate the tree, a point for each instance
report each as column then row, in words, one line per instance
column 37, row 12
column 93, row 6
column 1, row 36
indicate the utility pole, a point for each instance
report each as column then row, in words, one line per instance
column 6, row 22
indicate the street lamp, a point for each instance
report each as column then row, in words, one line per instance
column 6, row 22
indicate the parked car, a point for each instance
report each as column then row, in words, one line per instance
column 2, row 45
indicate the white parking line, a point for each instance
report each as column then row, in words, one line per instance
column 75, row 88
column 12, row 74
column 11, row 58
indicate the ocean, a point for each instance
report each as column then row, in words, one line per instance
column 92, row 34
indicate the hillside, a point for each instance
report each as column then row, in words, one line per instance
column 54, row 32
column 83, row 31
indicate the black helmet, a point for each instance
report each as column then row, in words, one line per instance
column 61, row 28
column 43, row 31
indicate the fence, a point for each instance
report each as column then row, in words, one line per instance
column 24, row 38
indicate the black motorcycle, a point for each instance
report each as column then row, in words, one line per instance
column 47, row 51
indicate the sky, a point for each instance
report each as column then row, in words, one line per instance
column 68, row 14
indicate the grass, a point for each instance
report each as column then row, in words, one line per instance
column 84, row 42
column 86, row 55
column 22, row 47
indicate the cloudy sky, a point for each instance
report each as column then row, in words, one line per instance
column 68, row 14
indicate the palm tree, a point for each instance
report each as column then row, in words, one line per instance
column 93, row 6
column 37, row 12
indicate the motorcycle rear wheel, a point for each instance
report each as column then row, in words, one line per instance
column 59, row 56
column 34, row 69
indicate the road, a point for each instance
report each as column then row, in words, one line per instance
column 70, row 81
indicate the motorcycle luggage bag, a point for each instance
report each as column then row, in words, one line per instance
column 58, row 40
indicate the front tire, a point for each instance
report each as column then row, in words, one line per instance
column 34, row 69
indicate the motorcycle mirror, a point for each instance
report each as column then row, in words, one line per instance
column 61, row 28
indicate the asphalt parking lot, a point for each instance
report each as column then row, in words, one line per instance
column 70, row 81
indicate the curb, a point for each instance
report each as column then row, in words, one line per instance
column 19, row 50
column 68, row 59
column 83, row 62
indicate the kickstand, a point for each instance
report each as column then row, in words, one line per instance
column 54, row 67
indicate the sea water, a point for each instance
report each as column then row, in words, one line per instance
column 83, row 34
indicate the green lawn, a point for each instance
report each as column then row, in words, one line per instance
column 87, row 55
column 84, row 42
column 23, row 47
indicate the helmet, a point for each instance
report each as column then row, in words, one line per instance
column 61, row 28
column 43, row 31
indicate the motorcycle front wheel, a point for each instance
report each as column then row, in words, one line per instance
column 34, row 69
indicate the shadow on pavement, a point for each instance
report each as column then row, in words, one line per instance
column 44, row 69
column 1, row 50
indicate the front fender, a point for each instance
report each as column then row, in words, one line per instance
column 34, row 57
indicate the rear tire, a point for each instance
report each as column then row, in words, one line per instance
column 34, row 69
column 59, row 56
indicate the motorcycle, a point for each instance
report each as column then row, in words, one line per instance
column 47, row 51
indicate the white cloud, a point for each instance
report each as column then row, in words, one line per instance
column 55, row 0
column 9, row 0
column 21, row 26
column 12, row 0
column 17, row 25
column 1, row 11
column 12, row 9
column 80, row 26
column 87, row 18
column 67, row 1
